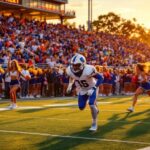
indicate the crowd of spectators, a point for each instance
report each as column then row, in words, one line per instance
column 36, row 43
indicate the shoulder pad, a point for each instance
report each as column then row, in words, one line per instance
column 90, row 70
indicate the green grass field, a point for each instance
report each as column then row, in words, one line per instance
column 57, row 127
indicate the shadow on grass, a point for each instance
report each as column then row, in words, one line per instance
column 31, row 110
column 142, row 126
column 122, row 102
column 58, row 143
column 17, row 120
column 114, row 123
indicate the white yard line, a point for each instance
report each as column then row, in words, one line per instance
column 30, row 107
column 146, row 148
column 55, row 106
column 4, row 109
column 61, row 105
column 74, row 137
column 21, row 108
column 44, row 106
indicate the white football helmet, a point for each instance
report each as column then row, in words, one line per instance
column 77, row 63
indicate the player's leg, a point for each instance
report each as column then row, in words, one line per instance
column 133, row 87
column 13, row 92
column 82, row 99
column 11, row 96
column 94, row 111
column 15, row 89
column 134, row 100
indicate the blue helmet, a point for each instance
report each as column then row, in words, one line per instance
column 78, row 62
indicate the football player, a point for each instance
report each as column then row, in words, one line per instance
column 87, row 81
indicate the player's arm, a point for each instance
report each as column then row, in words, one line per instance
column 71, row 82
column 99, row 81
column 99, row 78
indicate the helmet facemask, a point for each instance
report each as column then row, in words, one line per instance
column 77, row 67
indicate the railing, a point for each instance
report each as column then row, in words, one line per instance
column 39, row 65
column 63, row 1
column 11, row 1
column 43, row 5
column 70, row 13
column 47, row 9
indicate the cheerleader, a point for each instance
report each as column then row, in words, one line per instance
column 25, row 81
column 39, row 82
column 35, row 85
column 144, row 87
column 116, row 82
column 14, row 71
column 134, row 82
column 1, row 81
column 112, row 82
column 31, row 83
column 127, row 82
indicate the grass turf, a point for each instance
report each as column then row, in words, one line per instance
column 114, row 124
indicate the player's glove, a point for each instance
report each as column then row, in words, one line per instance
column 69, row 88
column 90, row 91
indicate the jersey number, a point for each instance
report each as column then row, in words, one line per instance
column 82, row 83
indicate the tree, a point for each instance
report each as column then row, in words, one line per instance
column 127, row 28
column 65, row 22
column 107, row 23
column 113, row 24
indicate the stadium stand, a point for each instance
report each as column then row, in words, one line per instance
column 50, row 47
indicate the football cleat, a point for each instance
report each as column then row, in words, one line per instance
column 14, row 106
column 93, row 127
column 130, row 109
column 10, row 106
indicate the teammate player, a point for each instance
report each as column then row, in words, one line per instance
column 142, row 71
column 87, row 81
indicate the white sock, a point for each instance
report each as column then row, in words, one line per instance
column 94, row 113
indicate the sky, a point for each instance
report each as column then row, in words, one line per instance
column 128, row 9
